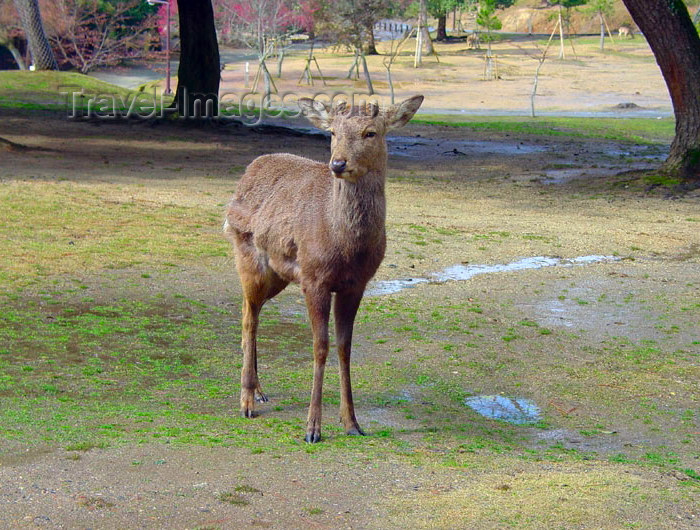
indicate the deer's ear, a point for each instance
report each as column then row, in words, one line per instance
column 316, row 112
column 399, row 115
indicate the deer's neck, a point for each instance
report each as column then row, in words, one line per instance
column 358, row 210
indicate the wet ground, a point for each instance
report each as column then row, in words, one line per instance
column 466, row 272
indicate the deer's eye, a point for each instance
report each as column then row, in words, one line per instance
column 370, row 134
column 332, row 133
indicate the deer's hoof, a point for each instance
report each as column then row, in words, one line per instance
column 260, row 397
column 247, row 402
column 247, row 412
column 355, row 431
column 313, row 437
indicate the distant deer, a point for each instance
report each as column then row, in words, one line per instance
column 625, row 31
column 296, row 220
column 473, row 42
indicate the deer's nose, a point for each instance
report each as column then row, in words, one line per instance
column 338, row 166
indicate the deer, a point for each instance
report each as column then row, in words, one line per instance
column 473, row 41
column 625, row 31
column 322, row 226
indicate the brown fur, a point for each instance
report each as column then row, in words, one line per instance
column 294, row 220
column 626, row 32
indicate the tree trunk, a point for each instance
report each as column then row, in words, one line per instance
column 562, row 55
column 676, row 46
column 441, row 29
column 425, row 38
column 198, row 75
column 602, row 31
column 370, row 45
column 418, row 59
column 280, row 60
column 390, row 82
column 39, row 46
column 370, row 88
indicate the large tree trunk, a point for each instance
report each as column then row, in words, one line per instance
column 441, row 29
column 674, row 40
column 199, row 73
column 39, row 46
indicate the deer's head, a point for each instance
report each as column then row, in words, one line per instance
column 358, row 133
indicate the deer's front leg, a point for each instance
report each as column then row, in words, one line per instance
column 344, row 310
column 318, row 303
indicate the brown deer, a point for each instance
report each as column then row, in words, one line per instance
column 296, row 220
column 625, row 31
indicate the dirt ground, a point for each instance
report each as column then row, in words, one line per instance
column 456, row 197
column 586, row 80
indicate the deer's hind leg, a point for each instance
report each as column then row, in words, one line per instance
column 259, row 285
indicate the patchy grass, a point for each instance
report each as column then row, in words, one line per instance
column 640, row 130
column 233, row 498
column 45, row 230
column 582, row 495
column 119, row 326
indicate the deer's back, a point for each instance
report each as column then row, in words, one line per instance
column 276, row 189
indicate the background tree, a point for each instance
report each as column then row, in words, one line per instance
column 674, row 40
column 602, row 8
column 439, row 10
column 487, row 19
column 486, row 16
column 199, row 73
column 255, row 21
column 262, row 25
column 563, row 19
column 422, row 35
column 352, row 22
column 91, row 33
column 30, row 16
column 162, row 20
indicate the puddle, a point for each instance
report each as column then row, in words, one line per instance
column 418, row 147
column 562, row 176
column 393, row 286
column 558, row 314
column 513, row 410
column 430, row 147
column 466, row 272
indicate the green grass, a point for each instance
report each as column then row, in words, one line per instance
column 661, row 180
column 45, row 231
column 640, row 130
column 233, row 498
column 68, row 91
column 54, row 90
